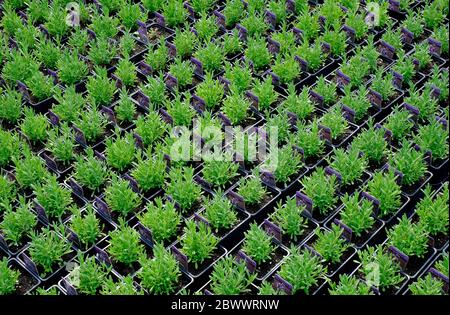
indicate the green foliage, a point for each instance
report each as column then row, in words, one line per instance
column 308, row 138
column 100, row 88
column 206, row 27
column 252, row 190
column 327, row 90
column 410, row 162
column 400, row 123
column 337, row 40
column 183, row 71
column 56, row 22
column 382, row 83
column 153, row 5
column 162, row 219
column 10, row 105
column 258, row 244
column 356, row 68
column 233, row 11
column 53, row 197
column 321, row 188
column 389, row 199
column 308, row 22
column 40, row 86
column 125, row 286
column 102, row 51
column 357, row 101
column 105, row 26
column 349, row 164
column 312, row 54
column 287, row 68
column 174, row 12
column 267, row 289
column 357, row 22
column 182, row 187
column 290, row 219
column 302, row 269
column 405, row 67
column 155, row 90
column 220, row 213
column 442, row 265
column 433, row 212
column 8, row 278
column 9, row 147
column 161, row 274
column 180, row 110
column 433, row 137
column 349, row 285
column 129, row 14
column 150, row 127
column 414, row 23
column 285, row 165
column 47, row 249
column 211, row 56
column 149, row 172
column 79, row 40
column 120, row 152
column 239, row 76
column 7, row 192
column 125, row 109
column 198, row 242
column 372, row 143
column 410, row 238
column 330, row 244
column 393, row 38
column 220, row 172
column 422, row 55
column 70, row 104
column 258, row 53
column 388, row 268
column 124, row 244
column 17, row 223
column 254, row 23
column 89, row 275
column 19, row 66
column 230, row 277
column 441, row 34
column 185, row 42
column 433, row 15
column 126, row 72
column 357, row 213
column 34, row 126
column 30, row 169
column 85, row 225
column 335, row 120
column 427, row 285
column 158, row 57
column 210, row 90
column 71, row 69
column 265, row 92
column 90, row 172
column 235, row 107
column 120, row 197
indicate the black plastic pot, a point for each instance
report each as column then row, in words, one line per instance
column 332, row 269
column 389, row 218
column 203, row 268
column 366, row 238
column 412, row 265
column 26, row 282
column 276, row 232
column 59, row 269
column 228, row 237
column 264, row 269
column 311, row 212
column 258, row 210
column 14, row 250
